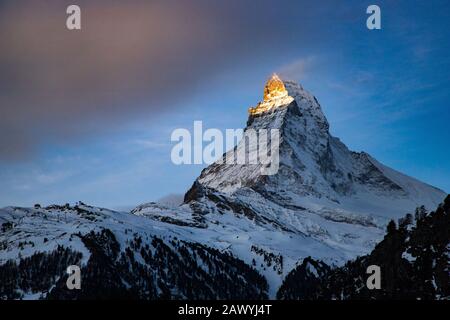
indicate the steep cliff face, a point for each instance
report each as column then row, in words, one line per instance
column 316, row 170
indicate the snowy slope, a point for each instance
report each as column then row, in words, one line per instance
column 26, row 232
column 44, row 229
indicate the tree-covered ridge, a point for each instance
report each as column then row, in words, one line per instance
column 413, row 257
column 35, row 274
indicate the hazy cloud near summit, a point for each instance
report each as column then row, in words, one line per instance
column 129, row 58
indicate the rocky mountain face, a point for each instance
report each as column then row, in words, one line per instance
column 317, row 171
column 239, row 232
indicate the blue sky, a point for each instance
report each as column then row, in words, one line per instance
column 384, row 91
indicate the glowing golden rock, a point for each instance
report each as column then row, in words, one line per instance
column 274, row 88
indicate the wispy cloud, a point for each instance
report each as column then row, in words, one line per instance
column 297, row 70
column 149, row 144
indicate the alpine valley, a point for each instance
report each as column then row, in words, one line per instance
column 306, row 232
